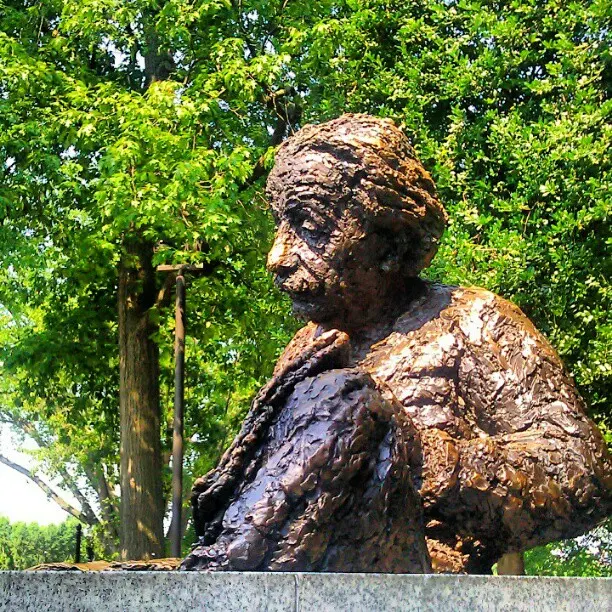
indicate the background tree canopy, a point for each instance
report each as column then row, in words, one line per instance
column 23, row 545
column 135, row 133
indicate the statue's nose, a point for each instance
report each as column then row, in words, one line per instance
column 280, row 256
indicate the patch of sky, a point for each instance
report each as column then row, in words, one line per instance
column 120, row 58
column 69, row 153
column 26, row 501
column 269, row 48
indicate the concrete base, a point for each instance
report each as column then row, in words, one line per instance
column 144, row 591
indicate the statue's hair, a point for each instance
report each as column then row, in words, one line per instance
column 366, row 164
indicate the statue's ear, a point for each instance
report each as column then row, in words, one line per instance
column 391, row 263
column 392, row 249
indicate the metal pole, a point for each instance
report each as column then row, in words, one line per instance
column 77, row 552
column 179, row 398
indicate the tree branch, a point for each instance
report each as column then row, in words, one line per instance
column 30, row 430
column 108, row 503
column 158, row 65
column 286, row 113
column 50, row 493
column 164, row 295
column 238, row 10
column 86, row 508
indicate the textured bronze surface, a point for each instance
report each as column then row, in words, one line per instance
column 409, row 426
column 151, row 565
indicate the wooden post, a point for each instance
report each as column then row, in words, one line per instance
column 89, row 549
column 177, row 436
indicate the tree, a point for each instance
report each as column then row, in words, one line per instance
column 589, row 555
column 119, row 149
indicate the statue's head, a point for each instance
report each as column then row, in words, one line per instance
column 356, row 212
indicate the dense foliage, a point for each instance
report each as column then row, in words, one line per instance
column 588, row 555
column 23, row 545
column 95, row 148
column 508, row 105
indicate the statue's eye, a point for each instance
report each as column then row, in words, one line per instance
column 311, row 232
column 309, row 226
column 306, row 224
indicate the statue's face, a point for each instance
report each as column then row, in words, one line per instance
column 323, row 256
column 308, row 258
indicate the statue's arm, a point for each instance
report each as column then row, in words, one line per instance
column 539, row 469
column 531, row 487
column 330, row 487
column 308, row 354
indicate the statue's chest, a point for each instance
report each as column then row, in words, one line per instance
column 420, row 369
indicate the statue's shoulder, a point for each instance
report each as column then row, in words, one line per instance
column 467, row 299
column 477, row 314
column 484, row 317
column 492, row 309
column 474, row 302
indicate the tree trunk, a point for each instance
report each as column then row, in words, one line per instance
column 511, row 564
column 142, row 503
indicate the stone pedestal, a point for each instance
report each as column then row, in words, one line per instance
column 167, row 591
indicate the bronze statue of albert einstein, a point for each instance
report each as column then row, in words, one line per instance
column 409, row 426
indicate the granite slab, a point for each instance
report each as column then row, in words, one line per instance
column 229, row 591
